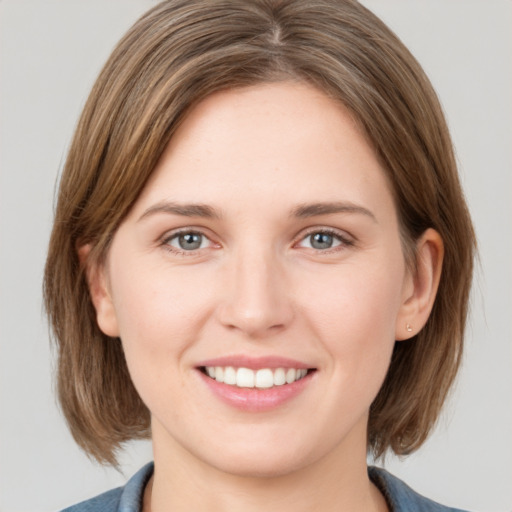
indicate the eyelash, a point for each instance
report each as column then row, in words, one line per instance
column 343, row 240
column 181, row 252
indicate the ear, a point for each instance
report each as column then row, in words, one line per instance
column 420, row 285
column 99, row 291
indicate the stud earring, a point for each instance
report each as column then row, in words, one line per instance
column 408, row 327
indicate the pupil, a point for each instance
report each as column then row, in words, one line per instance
column 321, row 241
column 190, row 241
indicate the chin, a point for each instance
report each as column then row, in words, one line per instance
column 265, row 459
column 246, row 466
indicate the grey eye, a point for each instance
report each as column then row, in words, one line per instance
column 321, row 240
column 188, row 241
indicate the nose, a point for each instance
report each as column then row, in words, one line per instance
column 257, row 296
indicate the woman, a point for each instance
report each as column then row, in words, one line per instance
column 259, row 217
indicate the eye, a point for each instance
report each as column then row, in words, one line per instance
column 322, row 240
column 187, row 241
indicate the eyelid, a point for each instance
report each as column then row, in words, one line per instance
column 346, row 240
column 168, row 235
column 165, row 239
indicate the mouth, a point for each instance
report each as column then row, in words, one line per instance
column 256, row 384
column 262, row 378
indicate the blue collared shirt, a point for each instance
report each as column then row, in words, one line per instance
column 399, row 496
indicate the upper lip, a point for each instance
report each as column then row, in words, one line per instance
column 255, row 363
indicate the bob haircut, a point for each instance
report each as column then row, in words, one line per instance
column 177, row 54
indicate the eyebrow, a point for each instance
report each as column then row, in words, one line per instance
column 304, row 211
column 185, row 210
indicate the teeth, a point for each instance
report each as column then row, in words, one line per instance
column 291, row 373
column 279, row 377
column 219, row 374
column 230, row 375
column 244, row 378
column 262, row 379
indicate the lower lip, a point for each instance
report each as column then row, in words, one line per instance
column 255, row 399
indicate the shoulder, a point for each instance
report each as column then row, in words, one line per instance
column 107, row 502
column 125, row 499
column 400, row 497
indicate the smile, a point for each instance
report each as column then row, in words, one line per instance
column 263, row 378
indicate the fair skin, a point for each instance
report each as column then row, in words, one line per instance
column 266, row 238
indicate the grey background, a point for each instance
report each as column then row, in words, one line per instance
column 52, row 50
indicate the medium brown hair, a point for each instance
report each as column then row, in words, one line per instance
column 177, row 54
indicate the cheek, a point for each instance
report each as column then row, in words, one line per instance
column 354, row 316
column 366, row 299
column 158, row 310
column 157, row 324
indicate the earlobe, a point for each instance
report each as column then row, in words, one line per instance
column 99, row 292
column 421, row 285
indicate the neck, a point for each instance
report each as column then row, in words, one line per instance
column 182, row 482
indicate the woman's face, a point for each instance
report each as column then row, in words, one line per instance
column 266, row 244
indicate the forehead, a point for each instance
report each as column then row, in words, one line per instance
column 270, row 138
